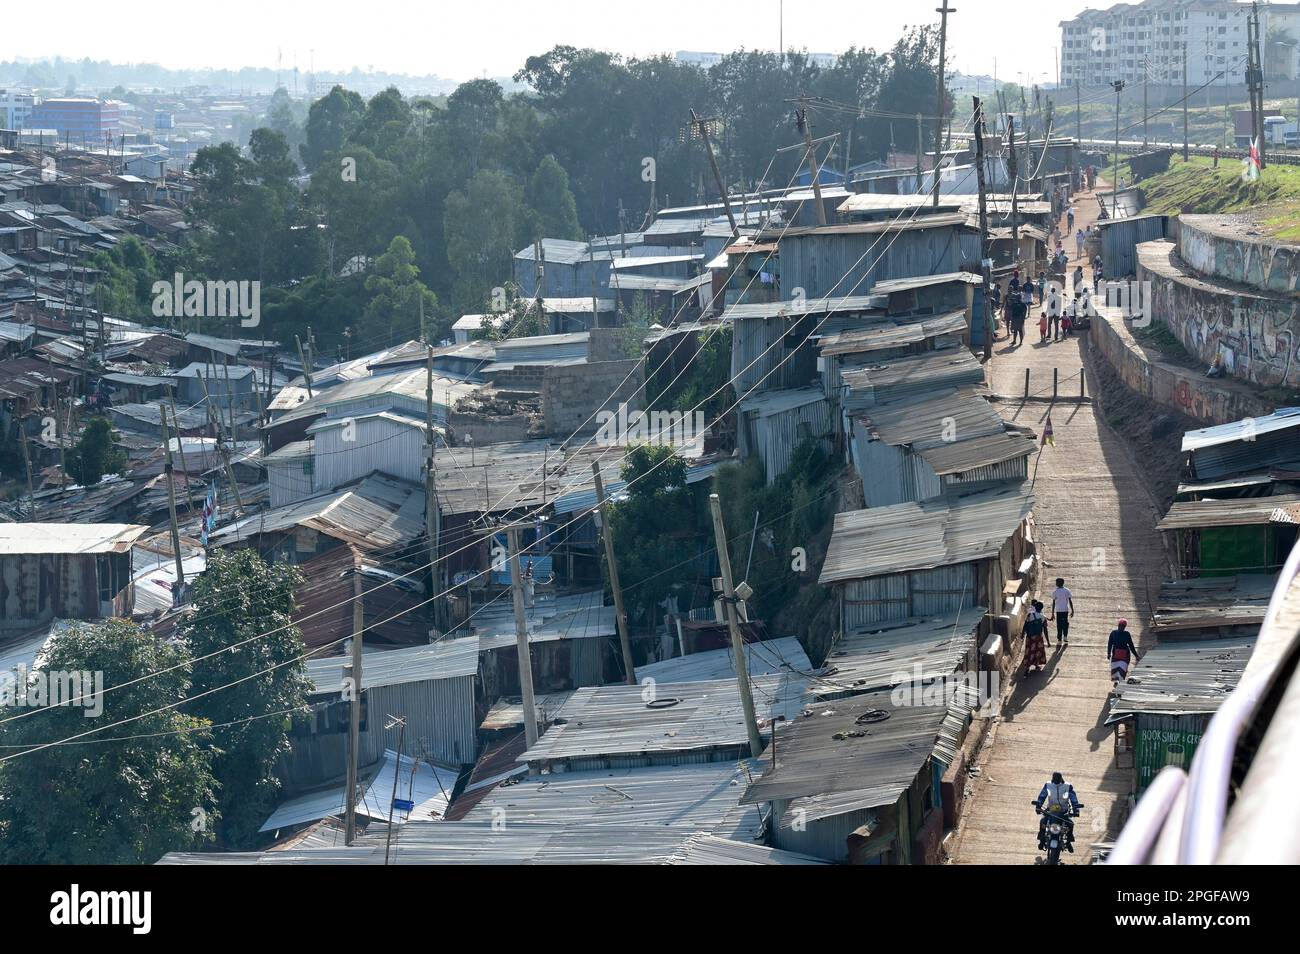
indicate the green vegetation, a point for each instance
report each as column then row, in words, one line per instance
column 1159, row 336
column 1196, row 186
column 124, row 795
column 95, row 454
column 240, row 600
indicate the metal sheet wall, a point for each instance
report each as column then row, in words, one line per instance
column 774, row 437
column 761, row 362
column 290, row 480
column 394, row 449
column 848, row 264
column 1119, row 241
column 944, row 589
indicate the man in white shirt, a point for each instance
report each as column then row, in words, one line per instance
column 1062, row 610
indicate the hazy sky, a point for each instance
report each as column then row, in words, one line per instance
column 464, row 39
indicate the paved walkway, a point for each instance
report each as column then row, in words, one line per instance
column 1095, row 527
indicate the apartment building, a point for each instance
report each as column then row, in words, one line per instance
column 16, row 109
column 1136, row 41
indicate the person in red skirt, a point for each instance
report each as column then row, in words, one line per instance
column 1035, row 639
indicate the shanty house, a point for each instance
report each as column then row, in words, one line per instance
column 1237, row 535
column 65, row 571
column 919, row 559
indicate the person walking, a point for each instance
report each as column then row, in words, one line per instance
column 1078, row 244
column 1069, row 219
column 1054, row 324
column 1018, row 327
column 1062, row 610
column 1042, row 328
column 1035, row 639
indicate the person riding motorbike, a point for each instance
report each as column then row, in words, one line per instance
column 1120, row 651
column 1057, row 801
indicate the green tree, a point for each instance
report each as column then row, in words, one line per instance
column 242, row 601
column 484, row 225
column 127, row 273
column 95, row 454
column 126, row 795
column 330, row 121
column 654, row 530
column 401, row 305
column 550, row 201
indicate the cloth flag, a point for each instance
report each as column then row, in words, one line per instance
column 1047, row 433
column 209, row 514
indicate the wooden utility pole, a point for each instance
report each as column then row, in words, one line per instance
column 804, row 124
column 920, row 150
column 180, row 446
column 214, row 421
column 1078, row 114
column 733, row 624
column 1013, row 167
column 1186, row 151
column 521, row 640
column 27, row 462
column 354, row 706
column 171, row 504
column 397, row 774
column 1146, row 110
column 432, row 513
column 306, row 367
column 620, row 614
column 984, row 229
column 1118, row 86
column 702, row 127
column 943, row 12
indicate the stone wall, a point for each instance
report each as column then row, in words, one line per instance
column 572, row 395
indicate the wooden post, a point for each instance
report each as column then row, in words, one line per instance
column 737, row 644
column 1026, row 382
column 354, row 708
column 811, row 151
column 171, row 505
column 180, row 446
column 521, row 640
column 620, row 614
column 1056, row 372
column 985, row 269
column 940, row 96
column 432, row 515
column 702, row 126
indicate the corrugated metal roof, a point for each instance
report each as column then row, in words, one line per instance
column 766, row 658
column 703, row 797
column 949, row 367
column 1244, row 430
column 867, row 202
column 890, row 333
column 924, row 281
column 767, row 403
column 445, row 659
column 864, row 747
column 916, row 536
column 1212, row 602
column 1180, row 678
column 1235, row 512
column 895, row 653
column 374, row 513
column 22, row 539
column 686, row 718
column 808, row 306
column 429, row 786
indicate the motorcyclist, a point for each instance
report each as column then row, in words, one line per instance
column 1060, row 801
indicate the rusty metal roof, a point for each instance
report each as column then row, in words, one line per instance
column 22, row 539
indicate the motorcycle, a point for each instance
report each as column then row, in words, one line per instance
column 1057, row 832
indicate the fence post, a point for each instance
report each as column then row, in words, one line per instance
column 1083, row 390
column 1056, row 374
column 1026, row 383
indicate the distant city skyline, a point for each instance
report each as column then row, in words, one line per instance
column 467, row 42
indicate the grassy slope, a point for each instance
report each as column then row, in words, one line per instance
column 1196, row 186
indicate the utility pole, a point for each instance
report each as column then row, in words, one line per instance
column 1255, row 81
column 180, row 445
column 607, row 531
column 804, row 125
column 1118, row 86
column 397, row 773
column 354, row 706
column 1078, row 114
column 1146, row 83
column 1015, row 186
column 1186, row 150
column 919, row 150
column 306, row 369
column 432, row 515
column 984, row 229
column 214, row 420
column 702, row 127
column 171, row 505
column 943, row 12
column 737, row 644
column 521, row 640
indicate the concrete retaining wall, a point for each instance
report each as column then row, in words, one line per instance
column 1210, row 244
column 1205, row 399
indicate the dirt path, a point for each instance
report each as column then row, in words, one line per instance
column 1095, row 525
